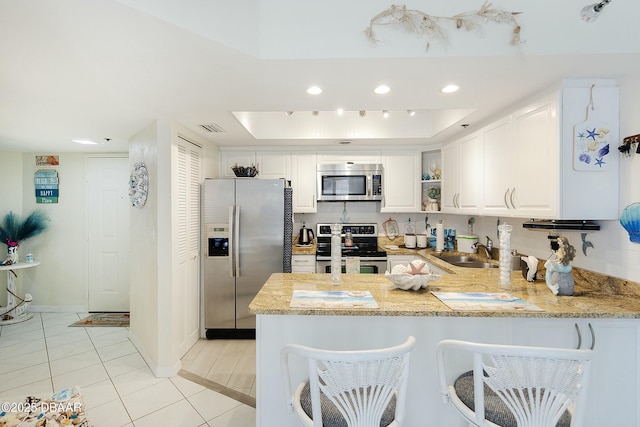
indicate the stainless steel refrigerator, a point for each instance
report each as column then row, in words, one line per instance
column 247, row 231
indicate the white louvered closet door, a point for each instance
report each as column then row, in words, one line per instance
column 186, row 290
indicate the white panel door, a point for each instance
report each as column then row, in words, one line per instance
column 108, row 233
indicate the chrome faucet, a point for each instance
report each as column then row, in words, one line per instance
column 489, row 244
column 487, row 249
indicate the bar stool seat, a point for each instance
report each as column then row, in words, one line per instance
column 495, row 410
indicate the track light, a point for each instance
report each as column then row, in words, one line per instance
column 411, row 113
column 590, row 13
column 362, row 113
column 289, row 113
column 315, row 113
column 385, row 113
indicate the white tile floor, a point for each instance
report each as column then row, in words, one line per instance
column 43, row 355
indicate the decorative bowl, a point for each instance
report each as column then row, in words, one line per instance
column 416, row 275
column 406, row 281
column 242, row 171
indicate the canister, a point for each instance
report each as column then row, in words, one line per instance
column 466, row 242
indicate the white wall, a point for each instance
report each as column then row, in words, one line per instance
column 152, row 235
column 59, row 282
column 143, row 275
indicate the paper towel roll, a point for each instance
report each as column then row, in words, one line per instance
column 439, row 236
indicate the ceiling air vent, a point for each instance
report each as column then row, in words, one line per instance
column 212, row 128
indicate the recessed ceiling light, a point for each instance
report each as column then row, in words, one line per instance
column 385, row 113
column 340, row 111
column 314, row 90
column 85, row 141
column 315, row 113
column 382, row 89
column 450, row 88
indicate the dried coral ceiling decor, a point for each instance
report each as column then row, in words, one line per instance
column 421, row 23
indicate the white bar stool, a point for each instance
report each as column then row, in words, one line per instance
column 364, row 388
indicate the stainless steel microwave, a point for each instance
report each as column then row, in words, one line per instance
column 349, row 182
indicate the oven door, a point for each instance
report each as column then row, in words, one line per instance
column 366, row 266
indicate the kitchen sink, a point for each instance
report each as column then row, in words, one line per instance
column 466, row 261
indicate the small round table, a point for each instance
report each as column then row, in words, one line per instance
column 16, row 309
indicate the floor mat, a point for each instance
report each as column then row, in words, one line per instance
column 104, row 319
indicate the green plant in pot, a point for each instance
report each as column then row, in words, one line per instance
column 14, row 230
column 433, row 193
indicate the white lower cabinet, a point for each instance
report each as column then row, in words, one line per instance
column 303, row 264
column 614, row 386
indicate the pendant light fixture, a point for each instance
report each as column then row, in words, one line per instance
column 590, row 13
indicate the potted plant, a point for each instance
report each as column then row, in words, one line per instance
column 14, row 230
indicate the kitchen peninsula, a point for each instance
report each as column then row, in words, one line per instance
column 592, row 317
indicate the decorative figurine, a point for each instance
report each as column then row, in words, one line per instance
column 558, row 275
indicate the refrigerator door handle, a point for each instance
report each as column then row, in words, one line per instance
column 236, row 235
column 232, row 241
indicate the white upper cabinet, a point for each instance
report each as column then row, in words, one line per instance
column 470, row 154
column 402, row 182
column 450, row 178
column 228, row 159
column 539, row 162
column 359, row 157
column 535, row 184
column 462, row 175
column 273, row 165
column 303, row 182
column 497, row 165
column 590, row 191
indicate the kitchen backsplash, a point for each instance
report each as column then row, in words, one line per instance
column 597, row 251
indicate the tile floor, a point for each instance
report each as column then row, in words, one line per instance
column 43, row 355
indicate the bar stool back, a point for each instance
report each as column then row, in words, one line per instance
column 517, row 386
column 364, row 388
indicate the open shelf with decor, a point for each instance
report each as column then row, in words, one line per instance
column 431, row 181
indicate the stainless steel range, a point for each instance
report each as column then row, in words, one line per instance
column 364, row 246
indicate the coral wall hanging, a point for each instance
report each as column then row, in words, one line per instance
column 421, row 23
column 591, row 141
column 630, row 220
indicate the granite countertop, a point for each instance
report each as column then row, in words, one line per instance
column 297, row 249
column 593, row 297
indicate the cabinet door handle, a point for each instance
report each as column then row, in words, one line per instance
column 593, row 337
column 506, row 203
column 511, row 197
